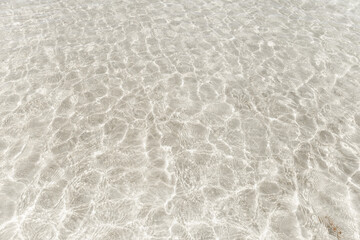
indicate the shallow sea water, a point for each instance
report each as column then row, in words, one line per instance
column 187, row 119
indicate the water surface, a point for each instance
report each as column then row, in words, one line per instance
column 186, row 119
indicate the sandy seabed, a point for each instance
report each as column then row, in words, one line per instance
column 179, row 119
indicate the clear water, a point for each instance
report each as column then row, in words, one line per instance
column 195, row 119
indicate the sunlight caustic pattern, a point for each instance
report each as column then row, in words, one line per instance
column 179, row 119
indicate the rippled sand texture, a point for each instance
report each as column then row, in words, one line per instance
column 179, row 119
